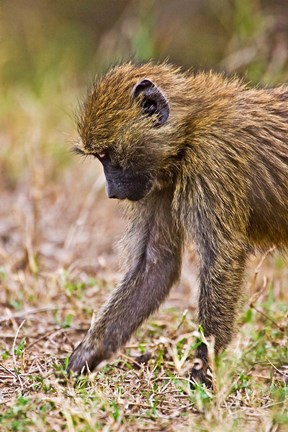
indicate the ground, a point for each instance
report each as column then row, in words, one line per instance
column 58, row 263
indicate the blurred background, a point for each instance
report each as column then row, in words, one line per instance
column 53, row 212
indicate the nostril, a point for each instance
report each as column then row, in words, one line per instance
column 110, row 194
column 110, row 190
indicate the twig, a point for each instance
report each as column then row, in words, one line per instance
column 32, row 311
column 40, row 338
column 278, row 370
column 265, row 255
column 183, row 318
column 13, row 352
column 257, row 270
column 8, row 370
column 257, row 294
column 131, row 360
column 266, row 316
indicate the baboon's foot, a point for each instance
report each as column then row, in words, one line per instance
column 85, row 358
column 201, row 373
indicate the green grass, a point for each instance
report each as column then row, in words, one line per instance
column 250, row 376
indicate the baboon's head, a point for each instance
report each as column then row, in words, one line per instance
column 129, row 123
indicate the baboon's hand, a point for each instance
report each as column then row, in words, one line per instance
column 85, row 357
column 201, row 373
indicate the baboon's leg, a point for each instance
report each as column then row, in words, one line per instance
column 221, row 279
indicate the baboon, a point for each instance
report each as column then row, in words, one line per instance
column 194, row 156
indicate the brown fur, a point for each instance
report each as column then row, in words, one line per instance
column 220, row 177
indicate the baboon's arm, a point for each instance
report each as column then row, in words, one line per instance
column 155, row 265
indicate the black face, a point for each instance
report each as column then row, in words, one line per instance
column 124, row 183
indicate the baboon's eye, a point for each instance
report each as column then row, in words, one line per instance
column 78, row 150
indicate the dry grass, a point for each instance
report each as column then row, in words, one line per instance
column 57, row 264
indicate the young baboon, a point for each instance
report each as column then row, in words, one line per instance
column 194, row 156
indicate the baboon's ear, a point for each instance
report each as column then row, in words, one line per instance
column 153, row 101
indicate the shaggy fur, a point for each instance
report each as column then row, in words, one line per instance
column 220, row 177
